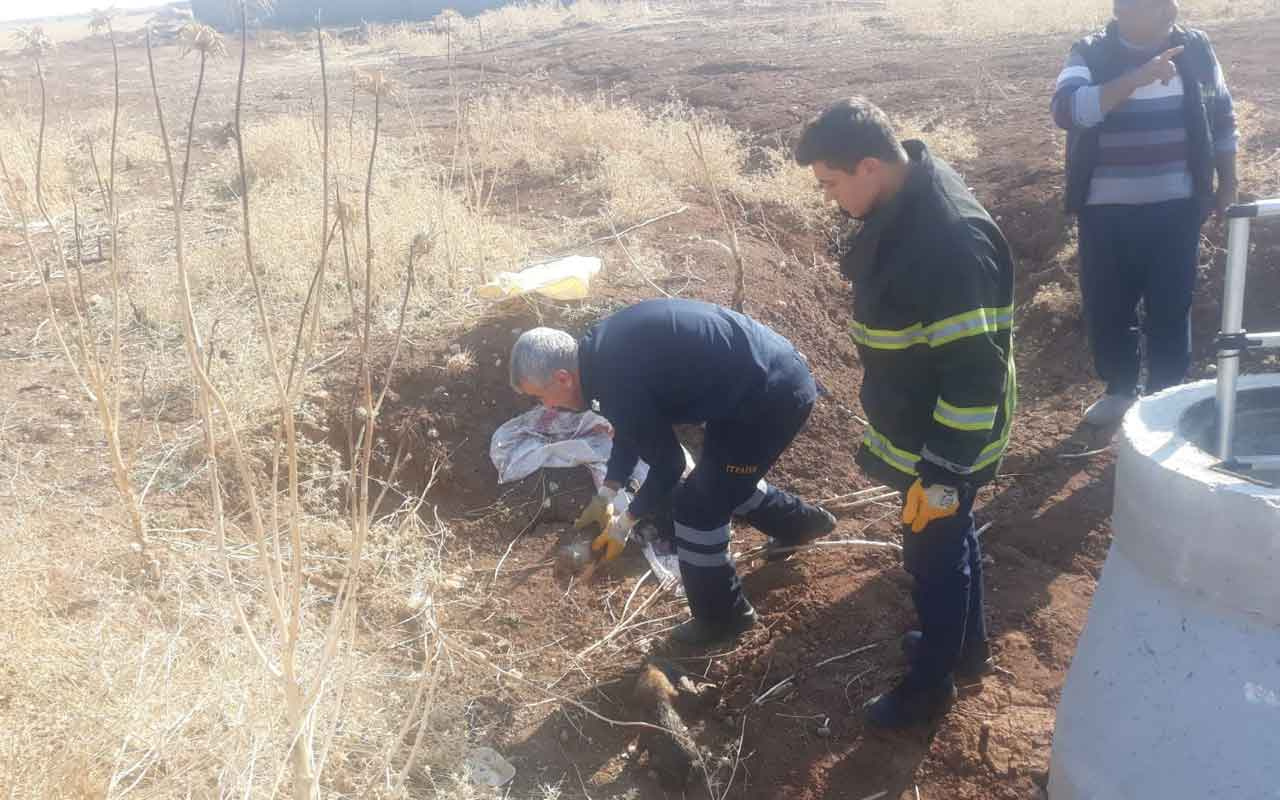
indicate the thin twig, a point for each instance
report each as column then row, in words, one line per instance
column 1086, row 454
column 847, row 543
column 478, row 659
column 635, row 589
column 739, row 286
column 737, row 757
column 756, row 552
column 532, row 522
column 863, row 502
column 617, row 237
column 326, row 236
column 787, row 681
column 625, row 622
column 615, row 234
column 855, row 495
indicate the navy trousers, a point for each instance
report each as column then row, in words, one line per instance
column 946, row 561
column 729, row 480
column 1140, row 253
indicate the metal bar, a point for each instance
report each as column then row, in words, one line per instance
column 1261, row 208
column 1259, row 462
column 1267, row 340
column 1228, row 371
column 1232, row 320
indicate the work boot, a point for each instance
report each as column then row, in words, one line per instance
column 975, row 661
column 904, row 706
column 1109, row 409
column 695, row 631
column 813, row 522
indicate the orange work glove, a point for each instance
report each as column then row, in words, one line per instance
column 926, row 504
column 614, row 537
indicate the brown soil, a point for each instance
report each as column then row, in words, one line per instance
column 1050, row 516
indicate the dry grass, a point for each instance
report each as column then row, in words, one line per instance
column 283, row 158
column 951, row 139
column 1259, row 158
column 137, row 146
column 1054, row 301
column 18, row 133
column 635, row 162
column 509, row 23
column 115, row 686
column 70, row 29
column 67, row 167
column 460, row 363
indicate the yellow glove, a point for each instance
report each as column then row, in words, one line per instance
column 614, row 537
column 598, row 512
column 924, row 505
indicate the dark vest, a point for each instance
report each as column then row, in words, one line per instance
column 1104, row 54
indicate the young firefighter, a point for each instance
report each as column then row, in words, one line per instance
column 932, row 320
column 661, row 363
column 1149, row 123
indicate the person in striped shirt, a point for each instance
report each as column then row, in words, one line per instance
column 1151, row 143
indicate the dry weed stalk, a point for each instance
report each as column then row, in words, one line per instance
column 731, row 230
column 36, row 44
column 281, row 574
column 97, row 372
column 478, row 188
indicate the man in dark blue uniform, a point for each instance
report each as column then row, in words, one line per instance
column 661, row 363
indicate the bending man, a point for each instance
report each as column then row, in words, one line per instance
column 661, row 363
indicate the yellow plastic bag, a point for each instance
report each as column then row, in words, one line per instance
column 563, row 279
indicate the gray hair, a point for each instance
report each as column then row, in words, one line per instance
column 538, row 353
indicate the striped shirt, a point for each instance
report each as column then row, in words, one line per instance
column 1142, row 143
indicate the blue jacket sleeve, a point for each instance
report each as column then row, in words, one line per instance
column 640, row 432
column 622, row 460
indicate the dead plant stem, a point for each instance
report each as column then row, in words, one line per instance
column 731, row 230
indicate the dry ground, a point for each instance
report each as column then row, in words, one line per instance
column 553, row 130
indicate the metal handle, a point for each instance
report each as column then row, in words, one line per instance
column 1261, row 208
column 1232, row 320
column 1232, row 339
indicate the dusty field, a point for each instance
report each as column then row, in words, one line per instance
column 112, row 683
column 69, row 29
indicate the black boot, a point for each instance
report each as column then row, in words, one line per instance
column 697, row 631
column 905, row 706
column 811, row 522
column 975, row 661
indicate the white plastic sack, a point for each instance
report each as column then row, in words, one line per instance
column 548, row 437
column 563, row 279
column 662, row 558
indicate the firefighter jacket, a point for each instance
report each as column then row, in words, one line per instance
column 933, row 323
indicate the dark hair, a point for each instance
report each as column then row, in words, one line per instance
column 847, row 132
